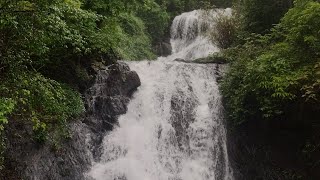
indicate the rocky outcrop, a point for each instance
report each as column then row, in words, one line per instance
column 109, row 95
column 163, row 48
column 105, row 101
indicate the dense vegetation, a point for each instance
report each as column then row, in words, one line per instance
column 271, row 71
column 274, row 71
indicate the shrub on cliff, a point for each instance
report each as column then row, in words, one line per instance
column 223, row 34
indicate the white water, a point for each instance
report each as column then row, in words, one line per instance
column 173, row 129
column 188, row 34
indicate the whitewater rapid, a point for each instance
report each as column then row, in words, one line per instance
column 174, row 128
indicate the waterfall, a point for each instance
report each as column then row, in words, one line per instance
column 173, row 129
column 188, row 31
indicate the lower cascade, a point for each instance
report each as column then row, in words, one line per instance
column 174, row 128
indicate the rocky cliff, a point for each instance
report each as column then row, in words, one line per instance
column 105, row 101
column 276, row 149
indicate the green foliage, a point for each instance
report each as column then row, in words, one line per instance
column 44, row 101
column 272, row 72
column 34, row 39
column 6, row 107
column 179, row 6
column 122, row 30
column 222, row 3
column 134, row 43
column 156, row 21
column 259, row 16
column 301, row 25
column 218, row 58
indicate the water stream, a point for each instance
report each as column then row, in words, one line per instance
column 173, row 129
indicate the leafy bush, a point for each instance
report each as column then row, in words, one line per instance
column 30, row 98
column 156, row 21
column 6, row 107
column 134, row 44
column 259, row 16
column 223, row 34
column 43, row 101
column 271, row 72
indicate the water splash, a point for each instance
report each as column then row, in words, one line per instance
column 173, row 129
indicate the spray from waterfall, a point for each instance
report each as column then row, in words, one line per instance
column 173, row 129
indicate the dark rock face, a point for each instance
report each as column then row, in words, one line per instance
column 182, row 60
column 69, row 162
column 105, row 101
column 275, row 149
column 163, row 48
column 110, row 94
column 257, row 154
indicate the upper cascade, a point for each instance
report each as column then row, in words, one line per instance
column 189, row 33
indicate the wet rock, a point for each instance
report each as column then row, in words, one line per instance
column 182, row 114
column 164, row 48
column 181, row 60
column 68, row 162
column 215, row 59
column 109, row 96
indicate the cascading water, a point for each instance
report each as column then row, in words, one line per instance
column 188, row 34
column 173, row 129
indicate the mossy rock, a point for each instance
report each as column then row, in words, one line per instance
column 215, row 58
